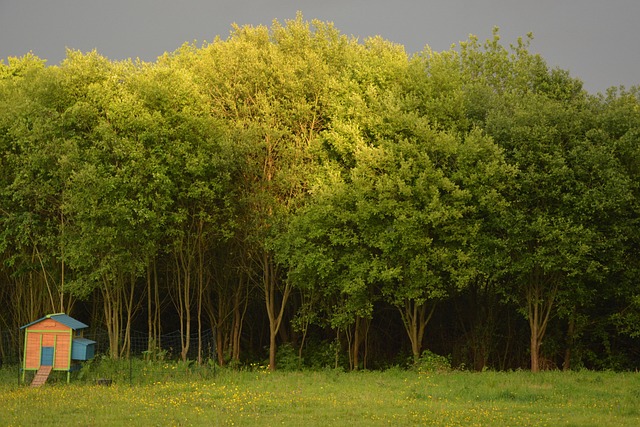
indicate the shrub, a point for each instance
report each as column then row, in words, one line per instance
column 287, row 358
column 432, row 362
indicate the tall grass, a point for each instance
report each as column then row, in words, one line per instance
column 331, row 398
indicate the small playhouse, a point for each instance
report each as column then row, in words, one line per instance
column 55, row 343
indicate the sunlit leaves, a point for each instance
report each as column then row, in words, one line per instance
column 293, row 155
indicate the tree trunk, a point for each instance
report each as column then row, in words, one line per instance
column 201, row 290
column 415, row 319
column 539, row 309
column 182, row 301
column 112, row 306
column 45, row 274
column 571, row 329
column 355, row 361
column 241, row 302
column 535, row 348
column 152, row 297
column 157, row 330
column 275, row 311
column 306, row 307
column 130, row 310
column 355, row 341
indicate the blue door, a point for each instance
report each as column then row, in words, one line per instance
column 46, row 356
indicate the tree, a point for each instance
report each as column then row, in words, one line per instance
column 292, row 184
column 197, row 163
column 117, row 193
column 618, row 160
column 34, row 184
column 269, row 85
column 549, row 246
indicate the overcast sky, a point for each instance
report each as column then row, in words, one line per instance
column 597, row 41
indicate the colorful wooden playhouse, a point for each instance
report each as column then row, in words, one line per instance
column 55, row 342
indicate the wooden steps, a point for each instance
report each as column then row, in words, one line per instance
column 41, row 376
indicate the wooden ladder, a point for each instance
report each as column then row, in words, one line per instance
column 41, row 376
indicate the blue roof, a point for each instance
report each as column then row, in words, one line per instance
column 62, row 318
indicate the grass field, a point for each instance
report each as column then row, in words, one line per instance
column 332, row 398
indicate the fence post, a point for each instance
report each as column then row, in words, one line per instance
column 20, row 363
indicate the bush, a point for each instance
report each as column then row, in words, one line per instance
column 320, row 355
column 287, row 358
column 432, row 362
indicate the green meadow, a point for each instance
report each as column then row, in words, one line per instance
column 332, row 398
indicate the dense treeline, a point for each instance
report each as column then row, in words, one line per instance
column 291, row 185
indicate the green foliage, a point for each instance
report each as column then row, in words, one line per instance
column 287, row 358
column 430, row 362
column 319, row 355
column 334, row 183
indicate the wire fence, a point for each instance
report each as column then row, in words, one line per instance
column 140, row 365
column 10, row 348
column 162, row 363
column 169, row 346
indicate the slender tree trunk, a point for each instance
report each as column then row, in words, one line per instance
column 535, row 348
column 337, row 349
column 36, row 254
column 156, row 317
column 216, row 310
column 220, row 345
column 275, row 311
column 201, row 288
column 182, row 299
column 112, row 306
column 185, row 310
column 539, row 307
column 62, row 266
column 241, row 302
column 365, row 341
column 307, row 306
column 415, row 319
column 571, row 329
column 28, row 299
column 356, row 340
column 199, row 328
column 356, row 345
column 507, row 347
column 131, row 309
column 150, row 335
column 228, row 309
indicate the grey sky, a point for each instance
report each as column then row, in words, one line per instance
column 597, row 41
